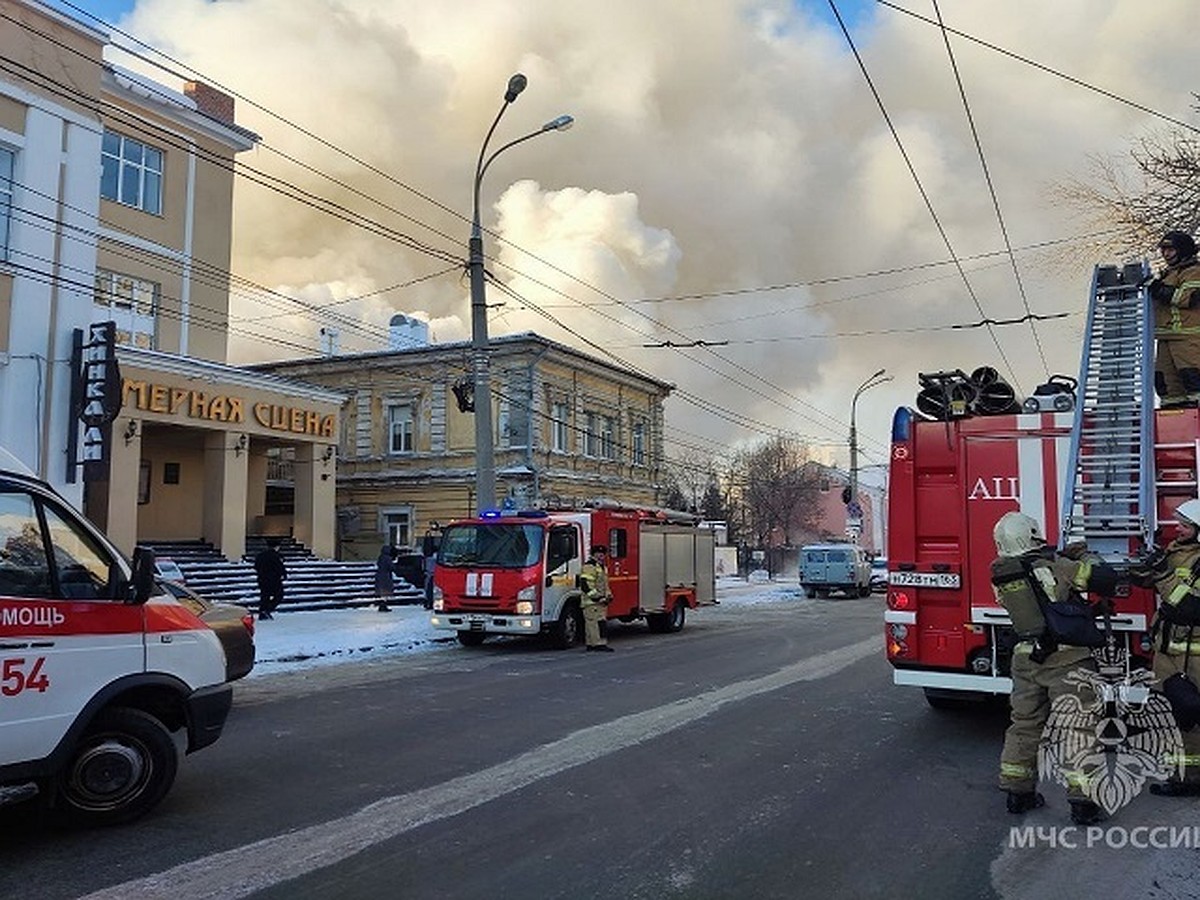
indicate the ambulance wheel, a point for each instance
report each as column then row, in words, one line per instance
column 471, row 638
column 120, row 770
column 864, row 591
column 810, row 592
column 569, row 628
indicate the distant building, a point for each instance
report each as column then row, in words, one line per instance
column 831, row 516
column 569, row 428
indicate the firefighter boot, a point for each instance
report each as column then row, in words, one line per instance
column 1024, row 801
column 1085, row 812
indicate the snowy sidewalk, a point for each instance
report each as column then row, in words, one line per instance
column 299, row 640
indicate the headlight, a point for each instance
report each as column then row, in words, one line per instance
column 439, row 605
column 524, row 607
column 527, row 593
column 438, row 594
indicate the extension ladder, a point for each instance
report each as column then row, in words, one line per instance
column 1109, row 499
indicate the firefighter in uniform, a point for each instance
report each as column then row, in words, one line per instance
column 1176, row 578
column 1177, row 322
column 1040, row 663
column 593, row 580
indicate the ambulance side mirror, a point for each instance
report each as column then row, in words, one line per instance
column 143, row 574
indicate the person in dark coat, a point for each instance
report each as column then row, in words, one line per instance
column 271, row 572
column 385, row 570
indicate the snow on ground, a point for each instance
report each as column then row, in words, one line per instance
column 299, row 640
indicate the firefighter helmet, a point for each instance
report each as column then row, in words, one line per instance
column 1188, row 512
column 1017, row 533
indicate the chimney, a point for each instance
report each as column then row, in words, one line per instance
column 210, row 101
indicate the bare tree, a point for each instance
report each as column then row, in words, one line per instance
column 1131, row 203
column 690, row 473
column 776, row 492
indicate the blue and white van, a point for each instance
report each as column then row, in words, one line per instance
column 825, row 568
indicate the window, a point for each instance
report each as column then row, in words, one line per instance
column 7, row 158
column 397, row 527
column 560, row 415
column 562, row 547
column 590, row 436
column 131, row 173
column 400, row 429
column 80, row 567
column 171, row 473
column 638, row 443
column 608, row 432
column 144, row 482
column 618, row 547
column 24, row 568
column 130, row 302
column 84, row 570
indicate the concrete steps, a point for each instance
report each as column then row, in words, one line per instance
column 311, row 583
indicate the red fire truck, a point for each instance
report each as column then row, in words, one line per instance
column 949, row 483
column 515, row 572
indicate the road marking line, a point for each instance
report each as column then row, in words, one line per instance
column 244, row 870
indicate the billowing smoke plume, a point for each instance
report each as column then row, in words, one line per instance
column 728, row 170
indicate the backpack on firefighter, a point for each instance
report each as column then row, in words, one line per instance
column 1026, row 586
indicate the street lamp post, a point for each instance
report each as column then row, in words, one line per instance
column 875, row 380
column 485, row 464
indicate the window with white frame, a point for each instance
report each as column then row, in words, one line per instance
column 132, row 303
column 400, row 428
column 396, row 525
column 560, row 416
column 7, row 161
column 131, row 172
column 590, row 434
column 637, row 441
column 608, row 437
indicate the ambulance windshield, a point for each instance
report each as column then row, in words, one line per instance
column 495, row 544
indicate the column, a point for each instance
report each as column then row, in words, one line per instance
column 315, row 479
column 124, row 462
column 225, row 474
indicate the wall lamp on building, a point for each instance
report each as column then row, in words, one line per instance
column 328, row 454
column 131, row 430
column 240, row 444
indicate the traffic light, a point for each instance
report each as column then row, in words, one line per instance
column 846, row 495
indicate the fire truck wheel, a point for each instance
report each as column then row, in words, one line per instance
column 677, row 616
column 471, row 638
column 569, row 627
column 122, row 767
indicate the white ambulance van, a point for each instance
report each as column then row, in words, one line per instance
column 100, row 671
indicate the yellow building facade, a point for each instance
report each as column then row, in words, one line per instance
column 569, row 429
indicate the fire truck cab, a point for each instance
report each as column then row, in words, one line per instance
column 515, row 572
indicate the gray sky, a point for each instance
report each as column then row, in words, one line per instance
column 730, row 177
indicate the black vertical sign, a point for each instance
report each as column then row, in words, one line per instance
column 98, row 397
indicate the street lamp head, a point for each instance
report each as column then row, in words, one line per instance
column 562, row 123
column 516, row 84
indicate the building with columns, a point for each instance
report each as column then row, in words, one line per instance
column 116, row 203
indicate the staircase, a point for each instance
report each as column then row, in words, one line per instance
column 1109, row 498
column 312, row 583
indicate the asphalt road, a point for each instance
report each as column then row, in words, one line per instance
column 762, row 752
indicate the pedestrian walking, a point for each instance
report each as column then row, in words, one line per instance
column 385, row 571
column 429, row 549
column 271, row 573
column 593, row 579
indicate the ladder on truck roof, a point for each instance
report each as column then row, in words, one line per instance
column 1109, row 496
